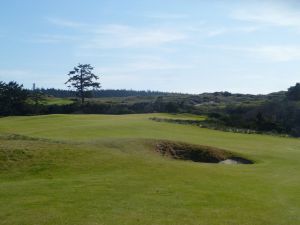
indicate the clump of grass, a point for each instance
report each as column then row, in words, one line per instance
column 17, row 137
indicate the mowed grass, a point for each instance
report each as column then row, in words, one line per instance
column 102, row 169
column 57, row 101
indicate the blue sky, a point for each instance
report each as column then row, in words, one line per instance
column 189, row 46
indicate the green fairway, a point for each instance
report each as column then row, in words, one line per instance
column 103, row 169
column 58, row 101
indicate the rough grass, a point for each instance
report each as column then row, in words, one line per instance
column 93, row 169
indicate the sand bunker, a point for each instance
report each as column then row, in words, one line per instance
column 199, row 153
column 236, row 160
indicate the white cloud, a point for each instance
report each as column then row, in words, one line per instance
column 120, row 36
column 209, row 32
column 166, row 16
column 154, row 65
column 112, row 36
column 117, row 35
column 217, row 32
column 268, row 13
column 65, row 23
column 272, row 53
column 54, row 39
column 278, row 53
column 142, row 65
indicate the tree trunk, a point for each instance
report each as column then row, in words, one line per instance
column 81, row 87
column 82, row 98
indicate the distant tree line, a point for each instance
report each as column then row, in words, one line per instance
column 60, row 93
column 15, row 100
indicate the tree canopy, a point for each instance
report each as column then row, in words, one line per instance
column 83, row 79
column 12, row 98
column 294, row 92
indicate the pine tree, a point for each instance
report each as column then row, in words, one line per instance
column 83, row 79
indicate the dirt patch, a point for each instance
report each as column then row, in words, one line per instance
column 199, row 153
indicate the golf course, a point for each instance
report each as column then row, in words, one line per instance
column 106, row 169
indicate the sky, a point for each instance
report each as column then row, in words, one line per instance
column 188, row 46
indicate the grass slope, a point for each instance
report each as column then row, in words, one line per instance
column 96, row 169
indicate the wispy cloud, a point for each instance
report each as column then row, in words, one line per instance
column 141, row 64
column 155, row 65
column 272, row 53
column 106, row 36
column 166, row 16
column 207, row 31
column 277, row 53
column 273, row 13
column 54, row 39
column 120, row 36
column 65, row 23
